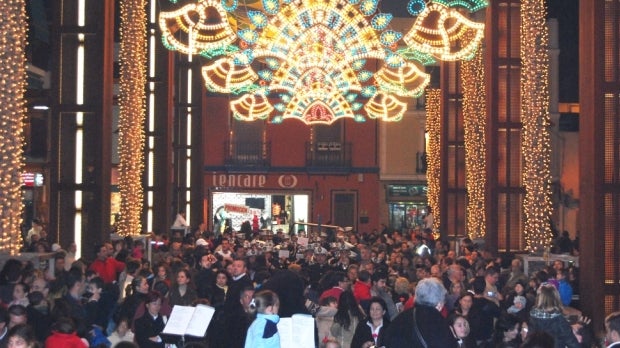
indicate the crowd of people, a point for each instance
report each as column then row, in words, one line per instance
column 378, row 289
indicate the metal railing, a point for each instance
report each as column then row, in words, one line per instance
column 247, row 153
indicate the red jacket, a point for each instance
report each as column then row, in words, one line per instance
column 108, row 270
column 64, row 340
column 361, row 291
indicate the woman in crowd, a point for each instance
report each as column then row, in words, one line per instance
column 347, row 317
column 182, row 291
column 369, row 332
column 464, row 304
column 547, row 316
column 460, row 329
column 507, row 332
column 150, row 325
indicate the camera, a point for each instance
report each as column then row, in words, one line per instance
column 490, row 293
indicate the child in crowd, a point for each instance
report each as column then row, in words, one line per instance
column 263, row 333
column 121, row 334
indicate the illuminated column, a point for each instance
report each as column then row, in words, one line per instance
column 132, row 115
column 433, row 128
column 536, row 146
column 475, row 154
column 12, row 112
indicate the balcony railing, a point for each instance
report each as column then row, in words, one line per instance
column 247, row 153
column 328, row 154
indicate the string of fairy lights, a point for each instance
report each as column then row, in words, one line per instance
column 474, row 121
column 12, row 113
column 132, row 82
column 536, row 142
column 433, row 169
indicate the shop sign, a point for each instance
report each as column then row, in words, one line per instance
column 239, row 180
column 407, row 190
column 287, row 181
column 236, row 208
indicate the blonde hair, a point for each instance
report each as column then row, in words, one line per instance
column 262, row 300
column 401, row 286
column 548, row 298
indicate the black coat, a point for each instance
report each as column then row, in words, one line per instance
column 433, row 328
column 364, row 334
column 146, row 327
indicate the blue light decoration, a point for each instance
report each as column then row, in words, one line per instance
column 265, row 75
column 390, row 37
column 364, row 75
column 310, row 55
column 244, row 58
column 258, row 18
column 248, row 35
column 415, row 7
column 381, row 20
column 229, row 8
column 368, row 7
column 271, row 6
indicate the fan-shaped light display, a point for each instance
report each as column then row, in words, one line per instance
column 321, row 60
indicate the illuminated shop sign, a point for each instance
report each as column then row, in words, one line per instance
column 32, row 179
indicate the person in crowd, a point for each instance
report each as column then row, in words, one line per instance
column 402, row 294
column 547, row 315
column 370, row 332
column 423, row 325
column 205, row 277
column 464, row 304
column 64, row 335
column 361, row 288
column 334, row 283
column 182, row 291
column 138, row 291
column 483, row 313
column 612, row 330
column 460, row 329
column 346, row 319
column 22, row 336
column 507, row 329
column 122, row 333
column 217, row 296
column 149, row 326
column 105, row 265
column 455, row 291
column 38, row 313
column 20, row 294
column 379, row 289
column 263, row 333
column 18, row 314
column 324, row 317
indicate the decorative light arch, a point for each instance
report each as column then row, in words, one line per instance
column 324, row 60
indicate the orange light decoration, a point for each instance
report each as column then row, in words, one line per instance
column 311, row 55
column 205, row 23
column 536, row 146
column 475, row 144
column 437, row 30
column 132, row 115
column 12, row 113
column 433, row 169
